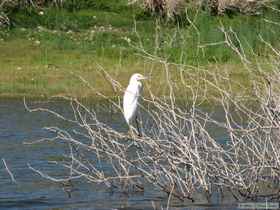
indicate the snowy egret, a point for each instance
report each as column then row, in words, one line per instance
column 130, row 99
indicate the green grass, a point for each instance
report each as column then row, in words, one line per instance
column 42, row 55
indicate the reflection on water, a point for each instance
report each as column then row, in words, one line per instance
column 33, row 192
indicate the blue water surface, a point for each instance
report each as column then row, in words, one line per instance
column 31, row 191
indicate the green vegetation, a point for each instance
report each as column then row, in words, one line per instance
column 44, row 51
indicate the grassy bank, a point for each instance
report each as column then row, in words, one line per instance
column 44, row 52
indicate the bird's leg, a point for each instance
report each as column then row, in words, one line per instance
column 130, row 131
column 138, row 127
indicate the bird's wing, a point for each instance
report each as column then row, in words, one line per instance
column 130, row 102
column 131, row 96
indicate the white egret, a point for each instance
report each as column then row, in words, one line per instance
column 131, row 97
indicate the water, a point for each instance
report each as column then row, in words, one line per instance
column 30, row 191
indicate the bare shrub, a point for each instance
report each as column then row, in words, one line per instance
column 11, row 4
column 4, row 20
column 167, row 8
column 216, row 7
column 238, row 6
column 178, row 152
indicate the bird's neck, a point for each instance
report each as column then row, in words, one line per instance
column 136, row 83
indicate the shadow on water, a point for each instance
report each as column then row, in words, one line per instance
column 31, row 191
column 23, row 203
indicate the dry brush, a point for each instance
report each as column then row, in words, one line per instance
column 178, row 152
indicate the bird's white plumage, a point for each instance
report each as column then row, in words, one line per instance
column 131, row 96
